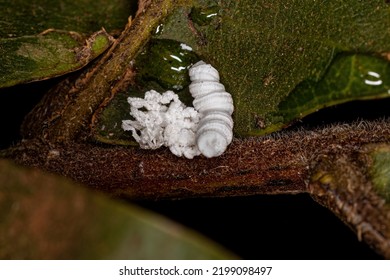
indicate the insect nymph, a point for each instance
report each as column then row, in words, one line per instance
column 215, row 128
column 163, row 120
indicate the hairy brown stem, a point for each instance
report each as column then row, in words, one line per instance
column 269, row 165
column 340, row 183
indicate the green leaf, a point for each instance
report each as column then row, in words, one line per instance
column 51, row 54
column 379, row 169
column 23, row 18
column 42, row 39
column 47, row 217
column 268, row 51
column 350, row 77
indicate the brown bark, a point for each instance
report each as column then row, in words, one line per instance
column 340, row 183
column 274, row 164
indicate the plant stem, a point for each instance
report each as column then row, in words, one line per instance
column 275, row 164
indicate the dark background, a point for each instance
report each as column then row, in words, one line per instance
column 269, row 227
column 258, row 227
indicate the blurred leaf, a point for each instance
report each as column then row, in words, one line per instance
column 46, row 217
column 267, row 50
column 41, row 39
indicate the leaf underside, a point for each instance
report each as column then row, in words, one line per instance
column 47, row 217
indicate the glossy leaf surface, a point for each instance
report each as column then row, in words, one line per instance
column 349, row 77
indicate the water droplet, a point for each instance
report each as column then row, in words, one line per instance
column 159, row 29
column 176, row 57
column 204, row 15
column 373, row 79
column 185, row 47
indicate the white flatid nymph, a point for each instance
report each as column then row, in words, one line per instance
column 215, row 128
column 163, row 120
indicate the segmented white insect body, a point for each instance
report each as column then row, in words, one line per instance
column 215, row 128
column 163, row 120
